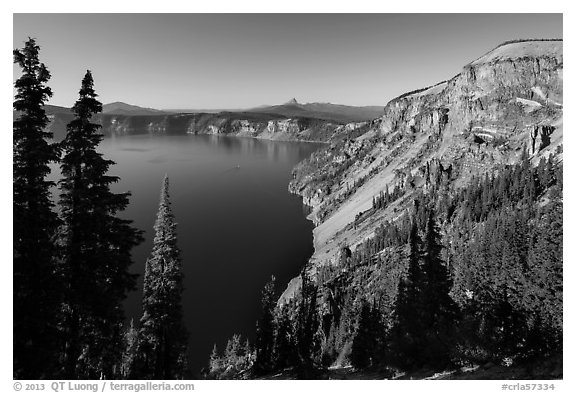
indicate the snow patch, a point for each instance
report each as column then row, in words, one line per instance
column 528, row 102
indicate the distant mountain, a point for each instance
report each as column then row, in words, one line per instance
column 201, row 110
column 121, row 108
column 289, row 121
column 114, row 108
column 340, row 114
column 55, row 109
column 323, row 111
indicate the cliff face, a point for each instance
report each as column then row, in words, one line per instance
column 508, row 100
column 257, row 125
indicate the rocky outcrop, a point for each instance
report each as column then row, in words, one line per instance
column 539, row 138
column 287, row 126
column 486, row 92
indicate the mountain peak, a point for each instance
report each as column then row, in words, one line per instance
column 292, row 102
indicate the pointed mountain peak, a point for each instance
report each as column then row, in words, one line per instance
column 292, row 102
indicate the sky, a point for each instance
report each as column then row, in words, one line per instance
column 233, row 61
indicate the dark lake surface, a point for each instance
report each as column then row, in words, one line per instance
column 236, row 227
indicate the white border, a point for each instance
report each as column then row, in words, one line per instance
column 296, row 6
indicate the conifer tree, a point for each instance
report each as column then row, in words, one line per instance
column 95, row 248
column 284, row 348
column 436, row 276
column 363, row 344
column 248, row 354
column 265, row 329
column 307, row 325
column 439, row 310
column 215, row 364
column 163, row 337
column 130, row 348
column 232, row 353
column 407, row 332
column 36, row 299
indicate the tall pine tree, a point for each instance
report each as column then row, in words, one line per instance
column 130, row 348
column 265, row 329
column 407, row 331
column 284, row 342
column 215, row 364
column 35, row 288
column 307, row 326
column 440, row 312
column 163, row 337
column 95, row 248
column 367, row 343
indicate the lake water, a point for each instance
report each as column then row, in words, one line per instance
column 236, row 227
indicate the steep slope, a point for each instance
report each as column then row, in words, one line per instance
column 502, row 102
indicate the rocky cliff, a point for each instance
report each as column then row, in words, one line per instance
column 505, row 101
column 257, row 125
column 303, row 125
